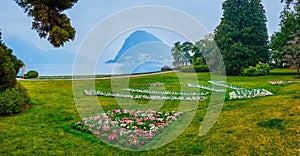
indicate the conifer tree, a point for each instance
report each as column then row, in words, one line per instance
column 242, row 35
column 49, row 20
column 9, row 67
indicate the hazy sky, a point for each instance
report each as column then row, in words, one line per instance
column 86, row 14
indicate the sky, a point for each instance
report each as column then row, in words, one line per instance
column 87, row 15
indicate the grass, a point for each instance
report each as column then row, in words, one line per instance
column 259, row 126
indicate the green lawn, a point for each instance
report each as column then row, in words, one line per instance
column 266, row 125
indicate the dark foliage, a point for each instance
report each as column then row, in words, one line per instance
column 31, row 74
column 49, row 20
column 242, row 39
column 9, row 67
column 13, row 100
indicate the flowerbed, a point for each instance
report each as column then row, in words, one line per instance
column 156, row 84
column 206, row 87
column 249, row 93
column 145, row 97
column 221, row 83
column 280, row 82
column 165, row 92
column 128, row 129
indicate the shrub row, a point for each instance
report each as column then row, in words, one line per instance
column 198, row 68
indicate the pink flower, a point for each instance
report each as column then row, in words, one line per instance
column 138, row 120
column 152, row 118
column 97, row 132
column 113, row 136
column 146, row 135
column 140, row 123
column 114, row 123
column 105, row 128
column 160, row 124
column 151, row 135
column 92, row 125
column 106, row 122
column 117, row 110
column 129, row 121
column 115, row 131
column 105, row 116
column 139, row 131
column 96, row 118
column 135, row 141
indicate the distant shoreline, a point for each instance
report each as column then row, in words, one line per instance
column 100, row 76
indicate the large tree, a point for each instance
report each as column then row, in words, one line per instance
column 9, row 67
column 181, row 53
column 242, row 35
column 291, row 52
column 49, row 20
column 289, row 27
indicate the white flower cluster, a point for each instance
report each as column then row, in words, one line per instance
column 222, row 83
column 146, row 97
column 280, row 82
column 160, row 92
column 156, row 84
column 249, row 93
column 206, row 87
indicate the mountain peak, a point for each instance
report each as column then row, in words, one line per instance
column 135, row 38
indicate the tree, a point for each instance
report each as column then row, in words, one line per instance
column 289, row 26
column 187, row 48
column 242, row 39
column 209, row 53
column 9, row 67
column 291, row 52
column 180, row 52
column 49, row 20
column 176, row 53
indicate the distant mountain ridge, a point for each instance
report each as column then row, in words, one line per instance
column 134, row 39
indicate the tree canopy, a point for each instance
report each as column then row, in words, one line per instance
column 284, row 42
column 242, row 39
column 9, row 67
column 49, row 20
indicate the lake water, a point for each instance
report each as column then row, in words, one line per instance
column 67, row 69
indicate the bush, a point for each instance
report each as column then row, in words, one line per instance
column 13, row 100
column 198, row 68
column 201, row 68
column 31, row 74
column 188, row 69
column 259, row 70
column 165, row 68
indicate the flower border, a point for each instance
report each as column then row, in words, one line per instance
column 128, row 129
column 160, row 92
column 249, row 93
column 145, row 97
column 222, row 83
column 211, row 88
